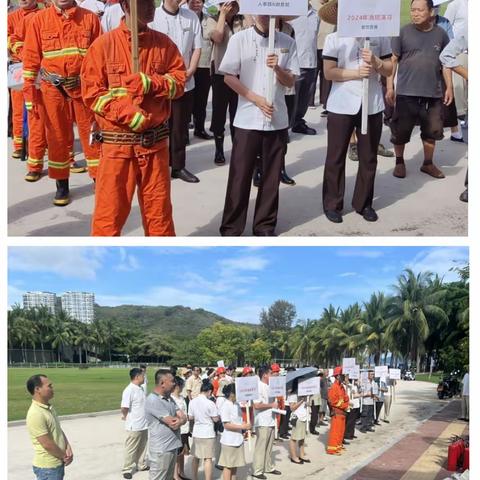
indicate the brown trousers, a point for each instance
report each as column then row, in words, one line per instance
column 247, row 144
column 179, row 118
column 340, row 128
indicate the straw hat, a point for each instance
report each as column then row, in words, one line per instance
column 329, row 11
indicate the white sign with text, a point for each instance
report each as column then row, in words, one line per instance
column 395, row 374
column 311, row 386
column 368, row 18
column 352, row 372
column 348, row 362
column 277, row 387
column 274, row 7
column 381, row 371
column 247, row 388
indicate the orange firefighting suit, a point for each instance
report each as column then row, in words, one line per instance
column 15, row 45
column 127, row 103
column 339, row 401
column 57, row 42
column 37, row 141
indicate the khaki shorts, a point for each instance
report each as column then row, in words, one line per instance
column 232, row 457
column 299, row 431
column 203, row 447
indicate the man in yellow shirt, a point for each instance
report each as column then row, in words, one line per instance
column 52, row 450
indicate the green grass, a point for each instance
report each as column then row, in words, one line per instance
column 435, row 378
column 76, row 391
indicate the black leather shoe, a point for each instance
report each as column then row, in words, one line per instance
column 257, row 178
column 261, row 476
column 300, row 462
column 334, row 216
column 369, row 214
column 219, row 153
column 305, row 460
column 314, row 433
column 202, row 134
column 304, row 128
column 274, row 472
column 62, row 197
column 464, row 196
column 185, row 175
column 285, row 179
column 127, row 475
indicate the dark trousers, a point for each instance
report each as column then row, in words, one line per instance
column 340, row 128
column 378, row 409
column 203, row 82
column 284, row 421
column 303, row 86
column 179, row 118
column 367, row 416
column 324, row 85
column 290, row 102
column 246, row 145
column 223, row 98
column 313, row 417
column 352, row 417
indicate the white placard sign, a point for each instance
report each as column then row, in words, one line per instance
column 247, row 388
column 348, row 362
column 311, row 386
column 352, row 372
column 277, row 387
column 368, row 18
column 381, row 371
column 330, row 372
column 220, row 363
column 274, row 7
column 395, row 374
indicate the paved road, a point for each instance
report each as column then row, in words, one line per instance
column 415, row 206
column 97, row 444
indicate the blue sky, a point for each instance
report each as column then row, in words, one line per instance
column 231, row 281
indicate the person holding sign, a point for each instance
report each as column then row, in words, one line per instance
column 298, row 419
column 264, row 428
column 339, row 403
column 132, row 111
column 232, row 454
column 347, row 63
column 369, row 394
column 260, row 127
column 419, row 95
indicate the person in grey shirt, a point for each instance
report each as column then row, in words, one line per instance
column 164, row 420
column 419, row 95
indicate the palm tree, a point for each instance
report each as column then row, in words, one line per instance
column 415, row 305
column 61, row 334
column 375, row 319
column 303, row 341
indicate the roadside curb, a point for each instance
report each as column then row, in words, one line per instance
column 19, row 423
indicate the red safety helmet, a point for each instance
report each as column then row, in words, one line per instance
column 246, row 370
column 275, row 368
column 337, row 371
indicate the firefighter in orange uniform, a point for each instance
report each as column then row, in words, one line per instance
column 132, row 111
column 37, row 141
column 56, row 43
column 15, row 45
column 339, row 401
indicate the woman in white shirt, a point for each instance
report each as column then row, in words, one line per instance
column 204, row 413
column 232, row 454
column 298, row 418
column 184, row 450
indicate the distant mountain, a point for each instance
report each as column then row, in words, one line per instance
column 175, row 321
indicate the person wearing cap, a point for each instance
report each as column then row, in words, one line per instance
column 339, row 403
column 220, row 29
column 347, row 63
column 219, row 381
column 260, row 127
column 264, row 428
column 369, row 394
column 183, row 27
column 275, row 369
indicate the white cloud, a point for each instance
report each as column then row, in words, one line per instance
column 247, row 312
column 440, row 260
column 66, row 262
column 359, row 252
column 348, row 274
column 128, row 262
column 244, row 263
column 15, row 295
column 314, row 288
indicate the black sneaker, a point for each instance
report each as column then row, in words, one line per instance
column 127, row 475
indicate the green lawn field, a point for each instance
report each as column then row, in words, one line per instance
column 435, row 378
column 76, row 391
